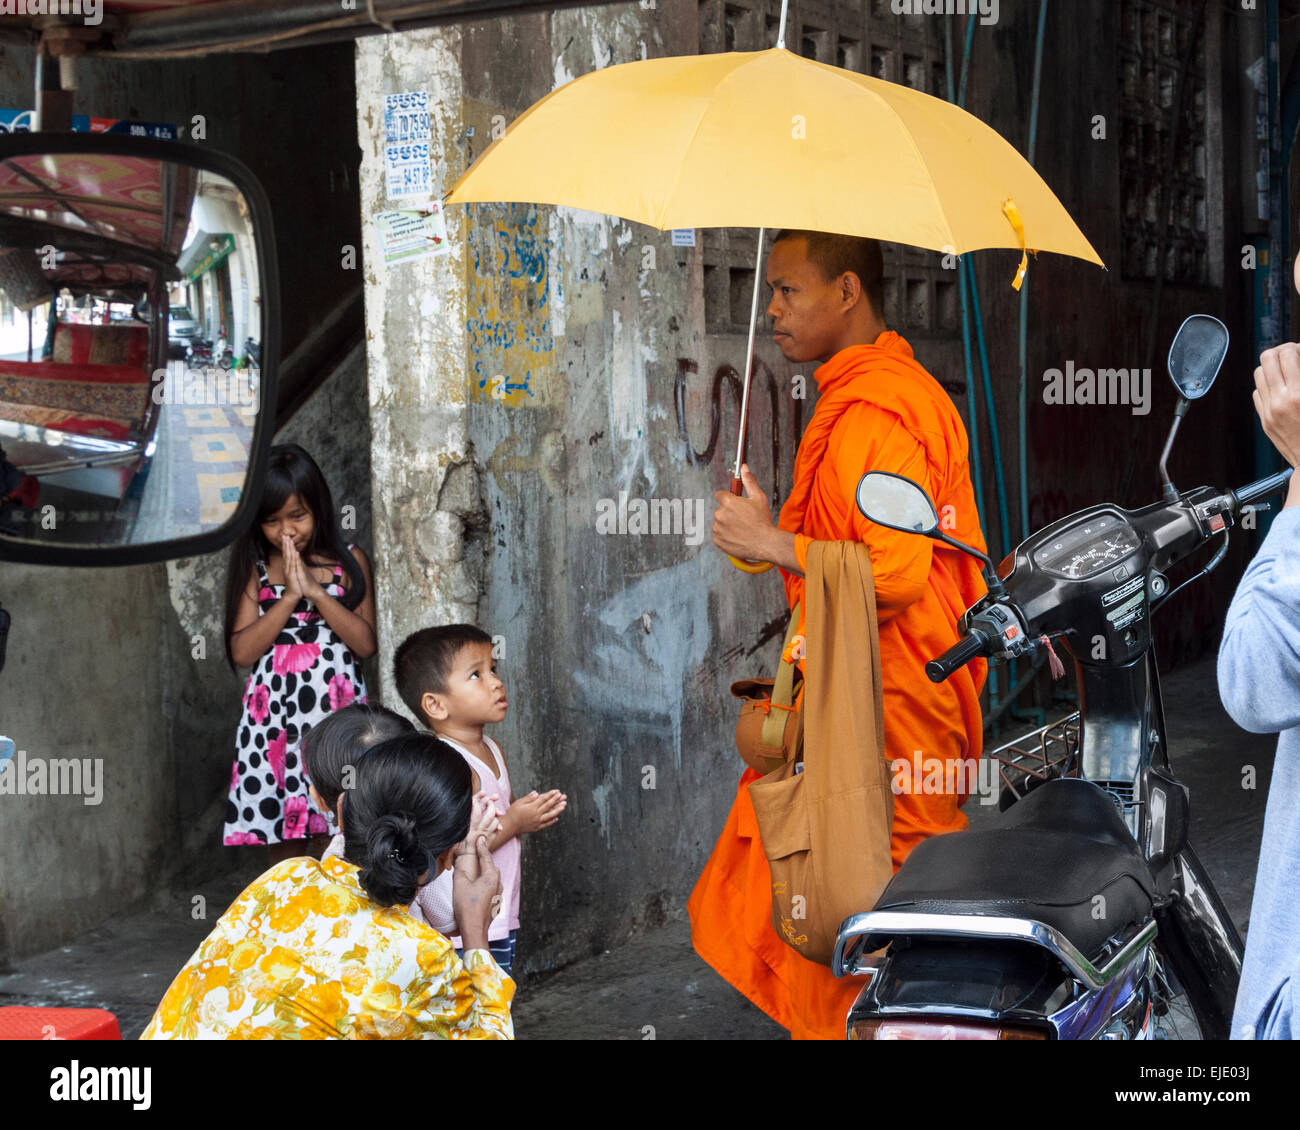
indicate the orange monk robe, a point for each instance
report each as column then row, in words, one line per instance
column 878, row 410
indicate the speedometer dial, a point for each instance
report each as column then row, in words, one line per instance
column 1089, row 548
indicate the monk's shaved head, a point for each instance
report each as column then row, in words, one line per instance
column 834, row 255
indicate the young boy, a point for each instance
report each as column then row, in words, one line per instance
column 448, row 679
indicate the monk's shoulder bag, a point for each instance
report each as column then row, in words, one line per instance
column 769, row 731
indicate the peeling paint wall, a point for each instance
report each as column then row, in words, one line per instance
column 553, row 355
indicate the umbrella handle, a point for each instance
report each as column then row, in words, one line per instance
column 752, row 567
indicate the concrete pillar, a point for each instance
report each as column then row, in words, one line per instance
column 415, row 348
column 520, row 387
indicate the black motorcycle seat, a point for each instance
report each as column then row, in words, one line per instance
column 1062, row 856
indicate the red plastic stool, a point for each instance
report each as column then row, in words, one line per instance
column 21, row 1023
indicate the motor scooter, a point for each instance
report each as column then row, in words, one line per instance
column 1084, row 913
column 198, row 353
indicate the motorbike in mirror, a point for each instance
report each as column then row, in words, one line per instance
column 121, row 441
column 1195, row 357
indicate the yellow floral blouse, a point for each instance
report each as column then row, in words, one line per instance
column 304, row 954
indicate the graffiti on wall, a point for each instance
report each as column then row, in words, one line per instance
column 763, row 388
column 510, row 340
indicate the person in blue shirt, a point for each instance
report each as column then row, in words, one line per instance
column 1259, row 682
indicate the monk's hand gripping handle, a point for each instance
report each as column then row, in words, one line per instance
column 753, row 567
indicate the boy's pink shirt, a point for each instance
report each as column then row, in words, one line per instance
column 506, row 857
column 433, row 901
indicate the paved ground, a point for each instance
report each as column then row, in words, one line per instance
column 654, row 985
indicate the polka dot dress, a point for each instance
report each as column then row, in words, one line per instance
column 306, row 674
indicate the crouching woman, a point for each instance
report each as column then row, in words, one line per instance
column 325, row 949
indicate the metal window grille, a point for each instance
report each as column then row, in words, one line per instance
column 1163, row 144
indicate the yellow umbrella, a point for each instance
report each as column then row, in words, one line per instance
column 769, row 139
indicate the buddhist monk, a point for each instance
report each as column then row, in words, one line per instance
column 878, row 410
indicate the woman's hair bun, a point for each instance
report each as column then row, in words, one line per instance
column 396, row 859
column 411, row 802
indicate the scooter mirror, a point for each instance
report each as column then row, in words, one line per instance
column 1196, row 355
column 897, row 503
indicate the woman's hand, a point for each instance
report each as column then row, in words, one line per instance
column 1277, row 399
column 475, row 891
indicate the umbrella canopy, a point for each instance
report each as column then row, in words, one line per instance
column 770, row 139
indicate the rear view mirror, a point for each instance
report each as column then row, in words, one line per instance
column 897, row 503
column 1197, row 354
column 1195, row 357
column 139, row 327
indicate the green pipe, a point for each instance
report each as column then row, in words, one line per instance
column 972, row 406
column 1004, row 514
column 1024, row 290
column 972, row 397
column 1039, row 717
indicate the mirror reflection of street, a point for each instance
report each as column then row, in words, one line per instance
column 201, row 452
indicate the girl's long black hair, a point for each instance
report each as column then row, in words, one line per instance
column 411, row 802
column 291, row 471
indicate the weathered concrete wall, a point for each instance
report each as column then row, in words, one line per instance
column 543, row 355
column 128, row 665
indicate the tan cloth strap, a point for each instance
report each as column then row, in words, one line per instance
column 782, row 689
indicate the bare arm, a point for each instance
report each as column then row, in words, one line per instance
column 355, row 627
column 252, row 635
column 508, row 831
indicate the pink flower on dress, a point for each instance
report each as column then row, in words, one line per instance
column 293, row 658
column 238, row 839
column 316, row 824
column 342, row 692
column 258, row 702
column 265, row 593
column 275, row 754
column 295, row 817
column 234, row 775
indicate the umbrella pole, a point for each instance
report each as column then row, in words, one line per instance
column 737, row 487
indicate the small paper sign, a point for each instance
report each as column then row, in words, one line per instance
column 683, row 237
column 413, row 234
column 406, row 117
column 407, row 171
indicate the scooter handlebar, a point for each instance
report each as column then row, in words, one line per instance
column 962, row 652
column 1261, row 488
